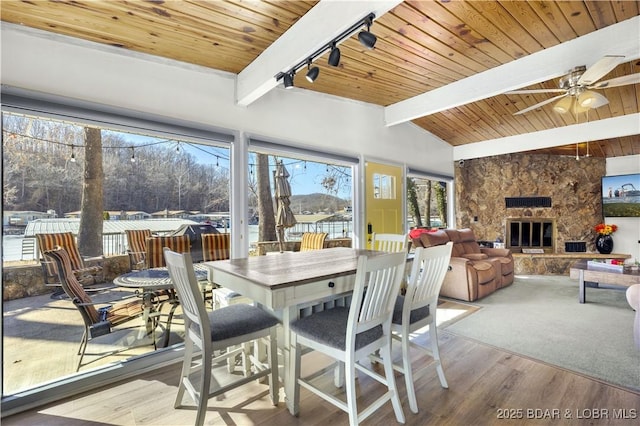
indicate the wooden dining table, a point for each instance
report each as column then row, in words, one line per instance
column 288, row 283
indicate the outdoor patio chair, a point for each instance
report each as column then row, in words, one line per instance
column 389, row 242
column 87, row 275
column 137, row 251
column 349, row 334
column 417, row 309
column 154, row 253
column 312, row 241
column 215, row 246
column 208, row 332
column 98, row 321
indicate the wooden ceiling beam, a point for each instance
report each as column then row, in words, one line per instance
column 626, row 125
column 619, row 39
column 325, row 21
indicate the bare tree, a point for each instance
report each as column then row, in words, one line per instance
column 412, row 200
column 267, row 224
column 428, row 203
column 441, row 202
column 91, row 211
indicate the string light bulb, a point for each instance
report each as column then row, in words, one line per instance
column 133, row 155
column 73, row 154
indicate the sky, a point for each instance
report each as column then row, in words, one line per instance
column 305, row 176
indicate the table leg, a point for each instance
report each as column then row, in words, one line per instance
column 583, row 290
column 291, row 364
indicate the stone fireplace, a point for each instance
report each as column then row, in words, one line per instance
column 531, row 201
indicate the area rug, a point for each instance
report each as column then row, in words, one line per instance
column 539, row 317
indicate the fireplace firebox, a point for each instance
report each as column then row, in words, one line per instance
column 531, row 233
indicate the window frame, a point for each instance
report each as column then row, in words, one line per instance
column 84, row 113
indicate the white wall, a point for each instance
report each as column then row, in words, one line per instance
column 63, row 66
column 627, row 238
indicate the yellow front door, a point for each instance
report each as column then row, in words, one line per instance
column 384, row 199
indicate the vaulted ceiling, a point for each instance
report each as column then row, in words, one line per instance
column 444, row 65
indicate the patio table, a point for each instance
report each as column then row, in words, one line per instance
column 152, row 284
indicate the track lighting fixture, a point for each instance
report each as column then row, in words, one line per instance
column 288, row 79
column 334, row 56
column 312, row 72
column 366, row 38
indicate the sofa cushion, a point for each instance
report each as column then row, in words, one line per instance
column 475, row 256
column 485, row 270
column 437, row 238
column 506, row 265
column 466, row 235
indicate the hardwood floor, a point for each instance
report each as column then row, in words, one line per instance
column 486, row 386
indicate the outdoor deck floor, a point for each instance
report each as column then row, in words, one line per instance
column 42, row 336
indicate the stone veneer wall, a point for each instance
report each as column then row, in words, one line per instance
column 573, row 185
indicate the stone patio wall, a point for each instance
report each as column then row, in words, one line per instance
column 27, row 280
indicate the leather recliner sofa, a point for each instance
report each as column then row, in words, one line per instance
column 475, row 271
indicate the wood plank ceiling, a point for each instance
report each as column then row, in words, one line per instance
column 422, row 46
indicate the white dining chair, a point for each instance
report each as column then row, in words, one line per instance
column 208, row 332
column 350, row 334
column 417, row 309
column 389, row 242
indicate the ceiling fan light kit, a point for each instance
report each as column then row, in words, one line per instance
column 577, row 84
column 591, row 99
column 366, row 38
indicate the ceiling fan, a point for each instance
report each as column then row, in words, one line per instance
column 576, row 86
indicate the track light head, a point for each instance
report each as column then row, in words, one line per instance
column 334, row 56
column 367, row 39
column 288, row 80
column 313, row 72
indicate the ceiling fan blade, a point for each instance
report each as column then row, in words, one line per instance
column 539, row 104
column 526, row 91
column 598, row 70
column 618, row 81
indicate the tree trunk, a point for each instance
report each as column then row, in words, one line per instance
column 428, row 201
column 441, row 200
column 267, row 223
column 91, row 211
column 412, row 199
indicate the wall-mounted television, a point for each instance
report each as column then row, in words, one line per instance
column 621, row 195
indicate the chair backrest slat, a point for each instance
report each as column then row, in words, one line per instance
column 184, row 280
column 155, row 246
column 389, row 242
column 65, row 240
column 137, row 242
column 215, row 246
column 428, row 271
column 312, row 241
column 381, row 277
column 72, row 286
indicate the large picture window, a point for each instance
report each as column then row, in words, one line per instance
column 155, row 179
column 321, row 198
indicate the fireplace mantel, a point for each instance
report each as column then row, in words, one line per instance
column 555, row 263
